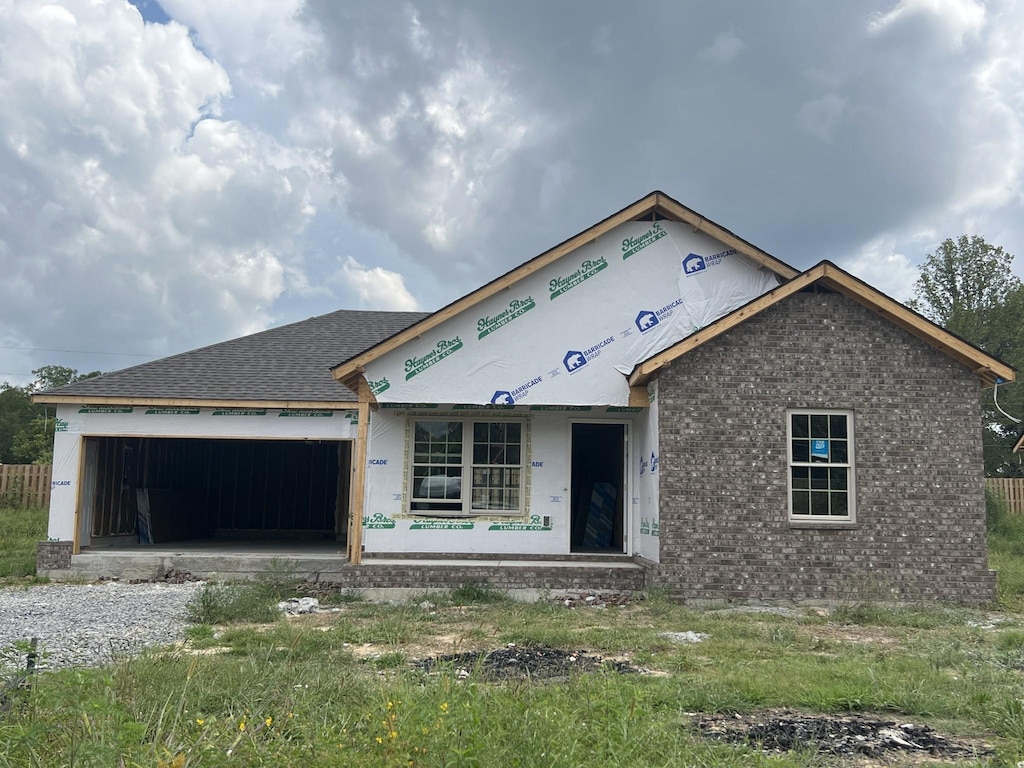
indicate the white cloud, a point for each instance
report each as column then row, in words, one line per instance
column 376, row 287
column 259, row 42
column 725, row 47
column 879, row 265
column 960, row 18
column 128, row 207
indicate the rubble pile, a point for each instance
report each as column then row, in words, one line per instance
column 594, row 599
column 848, row 735
column 539, row 662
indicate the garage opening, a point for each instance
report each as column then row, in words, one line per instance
column 155, row 490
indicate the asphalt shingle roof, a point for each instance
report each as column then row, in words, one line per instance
column 291, row 362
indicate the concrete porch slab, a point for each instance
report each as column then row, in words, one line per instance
column 326, row 563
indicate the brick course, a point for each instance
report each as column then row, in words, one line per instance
column 53, row 555
column 920, row 520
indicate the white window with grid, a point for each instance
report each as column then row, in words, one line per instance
column 821, row 466
column 464, row 467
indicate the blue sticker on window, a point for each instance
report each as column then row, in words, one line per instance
column 819, row 449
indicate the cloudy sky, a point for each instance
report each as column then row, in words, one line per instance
column 176, row 173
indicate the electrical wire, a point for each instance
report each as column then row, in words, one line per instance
column 995, row 401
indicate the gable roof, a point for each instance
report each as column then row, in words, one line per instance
column 288, row 366
column 989, row 369
column 655, row 206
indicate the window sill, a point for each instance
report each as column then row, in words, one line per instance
column 824, row 524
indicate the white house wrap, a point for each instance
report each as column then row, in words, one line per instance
column 568, row 333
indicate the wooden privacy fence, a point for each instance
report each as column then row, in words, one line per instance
column 25, row 485
column 1012, row 489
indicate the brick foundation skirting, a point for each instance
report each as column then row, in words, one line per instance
column 53, row 555
column 534, row 576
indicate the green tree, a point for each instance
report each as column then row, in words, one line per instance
column 53, row 376
column 26, row 428
column 16, row 412
column 967, row 286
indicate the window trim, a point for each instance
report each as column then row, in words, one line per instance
column 811, row 520
column 467, row 465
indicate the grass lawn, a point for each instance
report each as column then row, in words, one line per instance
column 20, row 530
column 341, row 689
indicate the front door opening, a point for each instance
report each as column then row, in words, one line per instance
column 598, row 487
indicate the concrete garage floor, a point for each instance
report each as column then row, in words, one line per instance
column 206, row 558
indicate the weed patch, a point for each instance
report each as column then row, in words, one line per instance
column 233, row 604
column 475, row 593
column 20, row 530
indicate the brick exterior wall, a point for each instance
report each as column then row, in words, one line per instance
column 920, row 520
column 53, row 555
column 532, row 576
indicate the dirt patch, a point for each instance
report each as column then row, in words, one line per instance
column 594, row 599
column 866, row 740
column 858, row 635
column 514, row 662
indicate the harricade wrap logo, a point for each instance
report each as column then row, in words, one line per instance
column 633, row 245
column 443, row 348
column 576, row 359
column 380, row 385
column 516, row 308
column 506, row 397
column 587, row 270
column 695, row 263
column 647, row 318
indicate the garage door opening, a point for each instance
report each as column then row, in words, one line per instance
column 158, row 490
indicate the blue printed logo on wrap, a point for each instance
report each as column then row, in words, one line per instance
column 574, row 360
column 693, row 264
column 646, row 320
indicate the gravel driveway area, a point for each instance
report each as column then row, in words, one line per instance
column 89, row 624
